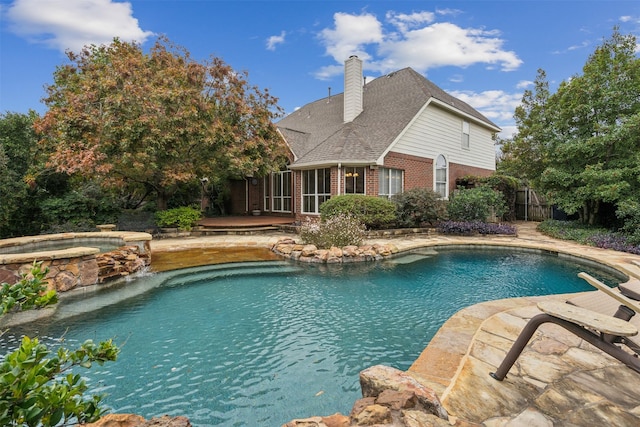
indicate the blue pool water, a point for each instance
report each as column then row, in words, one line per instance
column 263, row 343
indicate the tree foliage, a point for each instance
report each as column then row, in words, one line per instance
column 38, row 387
column 150, row 121
column 581, row 145
column 18, row 152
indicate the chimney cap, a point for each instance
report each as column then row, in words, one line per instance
column 353, row 56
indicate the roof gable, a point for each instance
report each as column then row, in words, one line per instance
column 317, row 134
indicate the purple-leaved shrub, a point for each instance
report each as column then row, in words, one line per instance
column 471, row 227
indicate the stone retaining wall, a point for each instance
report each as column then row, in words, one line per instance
column 288, row 248
column 77, row 266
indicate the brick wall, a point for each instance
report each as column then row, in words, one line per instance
column 458, row 171
column 418, row 171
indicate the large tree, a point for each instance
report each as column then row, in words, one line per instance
column 155, row 120
column 525, row 154
column 18, row 144
column 581, row 145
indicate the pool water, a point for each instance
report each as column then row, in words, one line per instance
column 264, row 343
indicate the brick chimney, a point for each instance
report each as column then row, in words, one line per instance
column 352, row 88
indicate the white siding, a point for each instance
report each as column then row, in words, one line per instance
column 352, row 88
column 437, row 131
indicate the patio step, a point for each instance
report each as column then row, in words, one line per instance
column 211, row 272
column 209, row 231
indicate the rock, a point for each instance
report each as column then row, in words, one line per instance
column 309, row 250
column 306, row 422
column 422, row 419
column 167, row 421
column 337, row 420
column 376, row 379
column 118, row 420
column 8, row 276
column 372, row 415
column 397, row 399
column 360, row 404
column 65, row 281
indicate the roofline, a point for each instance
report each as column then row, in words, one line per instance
column 314, row 165
column 486, row 124
column 295, row 157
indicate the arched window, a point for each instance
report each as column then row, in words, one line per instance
column 441, row 176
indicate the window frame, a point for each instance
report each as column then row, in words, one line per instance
column 281, row 191
column 354, row 180
column 466, row 132
column 317, row 193
column 388, row 175
column 441, row 186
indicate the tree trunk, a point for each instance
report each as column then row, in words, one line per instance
column 161, row 201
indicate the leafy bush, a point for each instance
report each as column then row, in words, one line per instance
column 475, row 204
column 589, row 235
column 615, row 241
column 339, row 230
column 78, row 210
column 569, row 230
column 30, row 292
column 373, row 212
column 629, row 212
column 184, row 217
column 34, row 390
column 471, row 227
column 418, row 206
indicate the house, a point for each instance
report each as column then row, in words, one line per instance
column 379, row 138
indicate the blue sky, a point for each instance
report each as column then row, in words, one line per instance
column 484, row 52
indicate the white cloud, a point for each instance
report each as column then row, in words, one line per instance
column 413, row 40
column 404, row 22
column 497, row 105
column 350, row 35
column 273, row 41
column 73, row 24
column 523, row 84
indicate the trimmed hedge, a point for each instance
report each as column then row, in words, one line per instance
column 373, row 212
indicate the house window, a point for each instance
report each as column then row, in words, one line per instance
column 354, row 180
column 465, row 135
column 282, row 191
column 441, row 176
column 316, row 189
column 266, row 183
column 389, row 182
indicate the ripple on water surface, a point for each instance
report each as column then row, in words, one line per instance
column 247, row 349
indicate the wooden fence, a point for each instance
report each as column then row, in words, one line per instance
column 531, row 206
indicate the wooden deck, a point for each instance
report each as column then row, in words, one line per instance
column 245, row 222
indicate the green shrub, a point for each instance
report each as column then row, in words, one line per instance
column 30, row 292
column 39, row 389
column 475, row 204
column 339, row 230
column 184, row 218
column 373, row 212
column 419, row 206
column 569, row 230
column 629, row 212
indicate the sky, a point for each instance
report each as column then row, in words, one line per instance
column 484, row 52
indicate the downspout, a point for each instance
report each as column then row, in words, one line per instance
column 339, row 177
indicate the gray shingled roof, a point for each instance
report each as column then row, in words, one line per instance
column 317, row 134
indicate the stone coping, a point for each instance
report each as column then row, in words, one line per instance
column 126, row 236
column 83, row 249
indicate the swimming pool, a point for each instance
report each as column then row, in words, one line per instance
column 263, row 343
